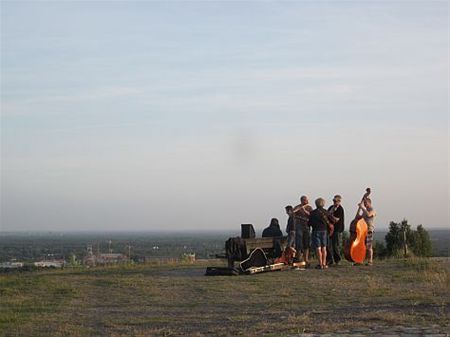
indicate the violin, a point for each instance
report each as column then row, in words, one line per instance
column 355, row 247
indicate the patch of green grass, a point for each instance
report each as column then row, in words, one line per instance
column 24, row 297
column 104, row 282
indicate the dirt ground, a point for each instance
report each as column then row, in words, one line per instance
column 398, row 298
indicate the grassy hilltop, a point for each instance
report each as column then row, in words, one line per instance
column 399, row 297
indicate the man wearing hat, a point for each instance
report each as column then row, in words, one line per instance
column 335, row 243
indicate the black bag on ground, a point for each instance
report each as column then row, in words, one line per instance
column 235, row 249
column 221, row 271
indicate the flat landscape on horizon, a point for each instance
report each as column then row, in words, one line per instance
column 28, row 247
column 397, row 297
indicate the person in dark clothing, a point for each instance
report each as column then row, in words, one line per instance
column 273, row 230
column 319, row 221
column 334, row 246
column 302, row 232
column 290, row 228
column 235, row 250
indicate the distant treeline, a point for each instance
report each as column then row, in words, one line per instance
column 56, row 246
column 32, row 247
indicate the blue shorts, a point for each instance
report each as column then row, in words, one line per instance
column 302, row 238
column 320, row 239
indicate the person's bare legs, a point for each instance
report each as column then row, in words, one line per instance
column 324, row 256
column 319, row 256
column 306, row 255
column 370, row 251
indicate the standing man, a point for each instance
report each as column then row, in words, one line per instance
column 369, row 214
column 302, row 234
column 319, row 221
column 290, row 228
column 336, row 211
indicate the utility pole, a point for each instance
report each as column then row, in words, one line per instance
column 129, row 253
column 405, row 246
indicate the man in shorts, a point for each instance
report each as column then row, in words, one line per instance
column 302, row 235
column 319, row 221
column 368, row 214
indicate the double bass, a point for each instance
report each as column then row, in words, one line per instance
column 355, row 247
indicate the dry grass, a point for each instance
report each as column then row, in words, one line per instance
column 178, row 300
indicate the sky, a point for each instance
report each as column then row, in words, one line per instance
column 179, row 115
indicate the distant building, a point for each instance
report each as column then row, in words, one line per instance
column 189, row 257
column 102, row 259
column 50, row 264
column 11, row 265
column 89, row 259
column 110, row 258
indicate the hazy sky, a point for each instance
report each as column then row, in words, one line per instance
column 205, row 115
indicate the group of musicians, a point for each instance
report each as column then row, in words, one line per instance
column 322, row 229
